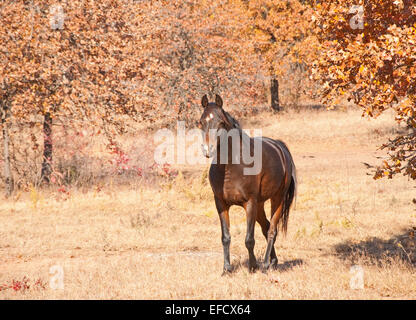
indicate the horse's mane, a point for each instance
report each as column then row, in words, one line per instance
column 233, row 121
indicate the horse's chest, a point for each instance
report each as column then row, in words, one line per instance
column 235, row 188
column 234, row 193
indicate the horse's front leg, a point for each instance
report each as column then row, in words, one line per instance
column 251, row 211
column 225, row 233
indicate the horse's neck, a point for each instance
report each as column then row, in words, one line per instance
column 243, row 139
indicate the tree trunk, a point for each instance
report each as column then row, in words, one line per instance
column 6, row 153
column 47, row 148
column 274, row 93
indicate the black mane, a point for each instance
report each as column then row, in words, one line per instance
column 233, row 121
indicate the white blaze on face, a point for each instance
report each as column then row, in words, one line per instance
column 209, row 118
column 206, row 147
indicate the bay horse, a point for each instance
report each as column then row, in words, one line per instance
column 276, row 180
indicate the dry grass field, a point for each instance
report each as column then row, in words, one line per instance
column 159, row 238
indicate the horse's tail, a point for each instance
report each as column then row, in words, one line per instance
column 288, row 198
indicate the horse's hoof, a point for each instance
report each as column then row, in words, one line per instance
column 274, row 263
column 227, row 271
column 252, row 268
column 265, row 268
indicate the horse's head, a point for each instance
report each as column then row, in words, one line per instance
column 212, row 120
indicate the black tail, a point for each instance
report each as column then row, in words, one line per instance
column 290, row 193
column 288, row 199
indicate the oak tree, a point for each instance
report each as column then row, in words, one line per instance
column 368, row 55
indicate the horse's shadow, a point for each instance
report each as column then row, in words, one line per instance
column 375, row 251
column 282, row 267
column 288, row 265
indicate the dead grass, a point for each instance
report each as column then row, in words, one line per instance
column 160, row 238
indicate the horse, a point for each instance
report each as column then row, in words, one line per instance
column 275, row 180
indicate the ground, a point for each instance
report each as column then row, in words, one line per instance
column 160, row 238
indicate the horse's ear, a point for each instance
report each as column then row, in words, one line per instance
column 204, row 101
column 218, row 101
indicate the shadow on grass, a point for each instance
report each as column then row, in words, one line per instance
column 288, row 265
column 282, row 267
column 376, row 251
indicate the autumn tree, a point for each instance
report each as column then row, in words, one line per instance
column 72, row 60
column 282, row 33
column 192, row 48
column 368, row 55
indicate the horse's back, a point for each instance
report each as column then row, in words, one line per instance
column 276, row 152
column 277, row 166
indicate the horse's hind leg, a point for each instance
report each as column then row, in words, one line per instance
column 251, row 210
column 276, row 209
column 265, row 225
column 225, row 233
